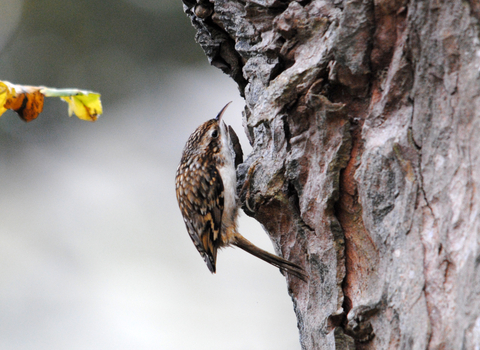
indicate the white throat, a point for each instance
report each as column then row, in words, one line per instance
column 229, row 178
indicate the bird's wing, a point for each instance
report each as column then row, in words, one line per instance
column 202, row 209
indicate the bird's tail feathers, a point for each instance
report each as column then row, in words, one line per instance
column 284, row 265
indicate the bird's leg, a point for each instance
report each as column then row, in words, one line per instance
column 246, row 184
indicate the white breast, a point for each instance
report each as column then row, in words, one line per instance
column 229, row 178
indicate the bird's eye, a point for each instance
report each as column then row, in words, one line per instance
column 215, row 133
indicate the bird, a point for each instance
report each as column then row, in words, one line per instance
column 205, row 185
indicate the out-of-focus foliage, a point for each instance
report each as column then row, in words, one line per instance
column 110, row 46
column 27, row 101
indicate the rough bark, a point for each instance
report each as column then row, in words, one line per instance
column 362, row 115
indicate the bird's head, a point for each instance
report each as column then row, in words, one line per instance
column 208, row 137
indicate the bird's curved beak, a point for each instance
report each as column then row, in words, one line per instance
column 220, row 114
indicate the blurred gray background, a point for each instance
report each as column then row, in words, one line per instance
column 93, row 251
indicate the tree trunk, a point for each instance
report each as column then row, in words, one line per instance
column 362, row 116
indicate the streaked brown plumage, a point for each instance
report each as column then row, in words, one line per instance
column 206, row 192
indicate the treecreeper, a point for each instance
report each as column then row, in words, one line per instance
column 205, row 184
